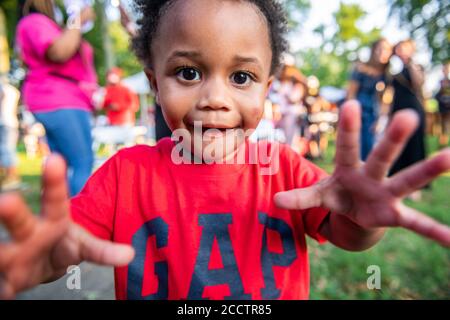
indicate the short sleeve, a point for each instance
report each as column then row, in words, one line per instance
column 39, row 32
column 307, row 174
column 94, row 207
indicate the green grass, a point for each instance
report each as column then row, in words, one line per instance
column 411, row 267
column 30, row 172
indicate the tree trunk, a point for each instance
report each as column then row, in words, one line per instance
column 106, row 39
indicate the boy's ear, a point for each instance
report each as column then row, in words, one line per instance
column 150, row 73
column 269, row 84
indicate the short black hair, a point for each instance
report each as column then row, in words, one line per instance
column 150, row 12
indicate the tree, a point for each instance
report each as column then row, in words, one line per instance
column 11, row 16
column 108, row 52
column 124, row 57
column 332, row 61
column 426, row 20
column 297, row 11
column 347, row 18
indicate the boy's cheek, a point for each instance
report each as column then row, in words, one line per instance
column 252, row 106
column 175, row 108
column 254, row 116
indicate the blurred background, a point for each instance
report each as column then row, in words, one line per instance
column 334, row 54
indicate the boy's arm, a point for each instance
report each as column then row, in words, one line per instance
column 41, row 248
column 362, row 200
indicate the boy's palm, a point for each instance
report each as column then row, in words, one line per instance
column 41, row 248
column 362, row 192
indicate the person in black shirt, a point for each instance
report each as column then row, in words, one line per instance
column 408, row 95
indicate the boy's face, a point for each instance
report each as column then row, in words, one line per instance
column 211, row 64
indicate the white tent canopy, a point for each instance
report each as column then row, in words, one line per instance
column 138, row 83
column 333, row 94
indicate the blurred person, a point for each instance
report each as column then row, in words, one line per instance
column 367, row 81
column 291, row 93
column 408, row 95
column 9, row 133
column 120, row 103
column 266, row 128
column 33, row 136
column 443, row 98
column 60, row 83
column 320, row 122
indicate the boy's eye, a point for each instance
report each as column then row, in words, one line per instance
column 241, row 78
column 188, row 74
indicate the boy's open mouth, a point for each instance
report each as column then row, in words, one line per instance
column 212, row 130
column 222, row 129
column 215, row 131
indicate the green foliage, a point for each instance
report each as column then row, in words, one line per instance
column 346, row 18
column 426, row 20
column 330, row 68
column 94, row 37
column 124, row 57
column 332, row 61
column 297, row 11
column 10, row 8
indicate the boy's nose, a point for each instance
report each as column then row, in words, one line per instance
column 215, row 96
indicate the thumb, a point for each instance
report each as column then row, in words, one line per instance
column 104, row 252
column 55, row 194
column 299, row 199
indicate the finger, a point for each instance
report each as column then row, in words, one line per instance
column 299, row 199
column 16, row 216
column 388, row 149
column 6, row 254
column 420, row 174
column 424, row 225
column 347, row 143
column 6, row 289
column 55, row 195
column 105, row 252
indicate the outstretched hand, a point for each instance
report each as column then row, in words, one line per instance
column 362, row 192
column 42, row 247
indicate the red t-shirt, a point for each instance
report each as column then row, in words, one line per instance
column 202, row 231
column 126, row 102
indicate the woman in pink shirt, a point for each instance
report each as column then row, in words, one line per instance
column 61, row 77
